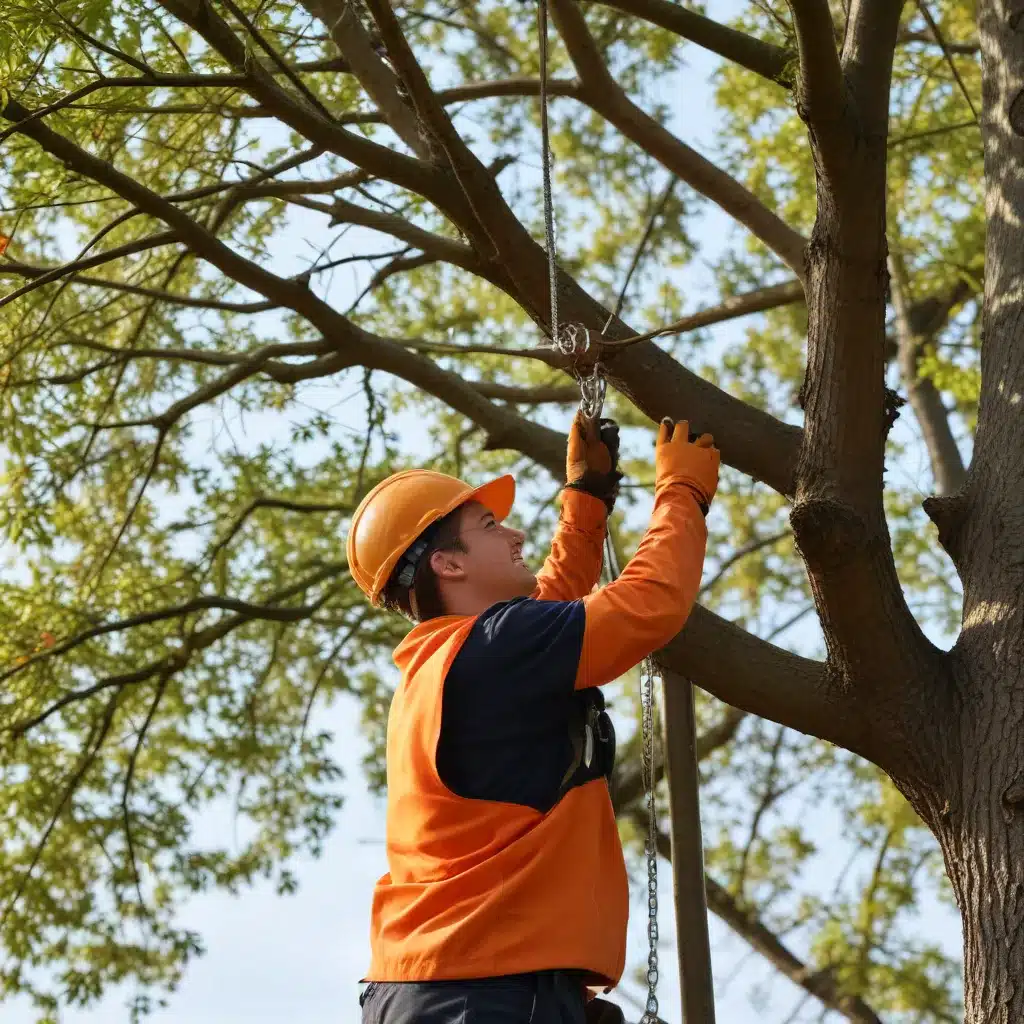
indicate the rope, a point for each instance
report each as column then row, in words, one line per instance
column 545, row 141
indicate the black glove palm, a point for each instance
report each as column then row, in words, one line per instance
column 593, row 459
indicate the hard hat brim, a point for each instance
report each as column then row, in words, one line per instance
column 497, row 497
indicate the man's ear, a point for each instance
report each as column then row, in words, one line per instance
column 446, row 565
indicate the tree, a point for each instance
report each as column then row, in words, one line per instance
column 176, row 607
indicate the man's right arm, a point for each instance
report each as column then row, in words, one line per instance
column 652, row 598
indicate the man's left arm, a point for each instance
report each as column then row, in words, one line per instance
column 573, row 568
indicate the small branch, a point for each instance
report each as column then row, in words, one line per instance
column 153, row 81
column 447, row 249
column 175, row 661
column 129, row 777
column 758, row 544
column 90, row 749
column 754, row 931
column 926, row 13
column 275, row 58
column 266, row 502
column 501, row 88
column 967, row 49
column 34, row 273
column 638, row 254
column 275, row 369
column 765, row 59
column 96, row 260
column 628, row 785
column 243, row 370
column 769, row 794
column 948, row 469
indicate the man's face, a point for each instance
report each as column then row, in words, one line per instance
column 492, row 561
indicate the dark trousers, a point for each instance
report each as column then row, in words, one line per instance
column 545, row 997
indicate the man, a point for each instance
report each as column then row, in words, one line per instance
column 506, row 897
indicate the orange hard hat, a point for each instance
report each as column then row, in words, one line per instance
column 391, row 517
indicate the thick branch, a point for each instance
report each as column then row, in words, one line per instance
column 754, row 675
column 765, row 59
column 874, row 644
column 605, row 95
column 749, row 439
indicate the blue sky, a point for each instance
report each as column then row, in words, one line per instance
column 276, row 959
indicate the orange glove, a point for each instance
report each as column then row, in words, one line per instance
column 592, row 458
column 682, row 458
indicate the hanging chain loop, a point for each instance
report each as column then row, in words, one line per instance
column 647, row 673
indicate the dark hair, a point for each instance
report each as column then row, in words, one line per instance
column 444, row 536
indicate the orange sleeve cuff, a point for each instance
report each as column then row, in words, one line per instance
column 583, row 511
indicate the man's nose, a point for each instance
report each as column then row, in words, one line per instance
column 517, row 535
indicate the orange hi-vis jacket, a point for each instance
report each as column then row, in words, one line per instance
column 481, row 884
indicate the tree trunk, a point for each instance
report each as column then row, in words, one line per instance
column 983, row 846
column 981, row 825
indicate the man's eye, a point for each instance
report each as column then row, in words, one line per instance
column 490, row 525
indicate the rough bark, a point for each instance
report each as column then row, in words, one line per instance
column 981, row 826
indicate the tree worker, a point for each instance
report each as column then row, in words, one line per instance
column 506, row 899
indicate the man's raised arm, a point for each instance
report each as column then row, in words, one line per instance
column 573, row 568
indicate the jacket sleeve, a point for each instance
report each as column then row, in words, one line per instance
column 652, row 598
column 573, row 568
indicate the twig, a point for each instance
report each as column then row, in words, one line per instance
column 922, row 6
column 659, row 209
column 90, row 749
column 129, row 777
column 749, row 548
column 272, row 53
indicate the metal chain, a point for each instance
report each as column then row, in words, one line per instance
column 647, row 766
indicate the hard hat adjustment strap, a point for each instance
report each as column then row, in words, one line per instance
column 408, row 563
